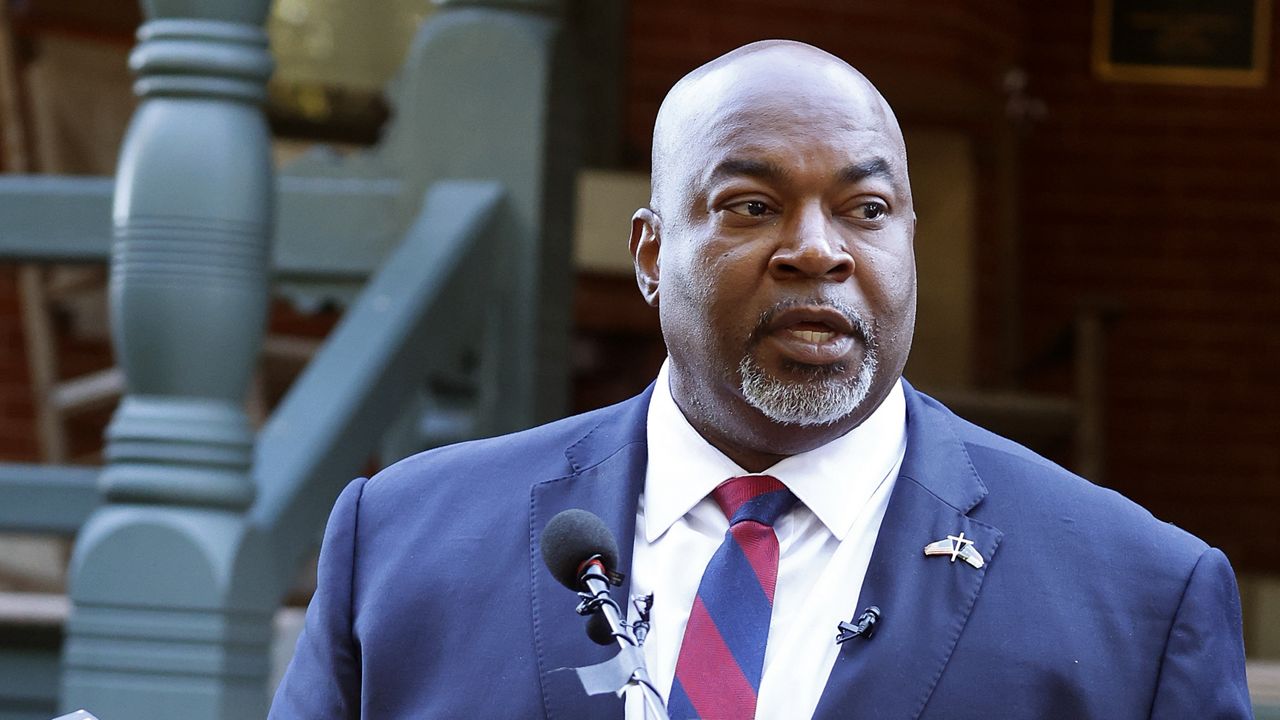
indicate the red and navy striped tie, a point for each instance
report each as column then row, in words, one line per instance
column 722, row 656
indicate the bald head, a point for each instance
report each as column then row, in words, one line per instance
column 778, row 249
column 778, row 74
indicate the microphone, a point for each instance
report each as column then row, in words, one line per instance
column 864, row 626
column 581, row 554
column 573, row 541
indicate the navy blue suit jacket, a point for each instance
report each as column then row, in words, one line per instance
column 433, row 601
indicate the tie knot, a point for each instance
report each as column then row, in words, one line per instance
column 761, row 498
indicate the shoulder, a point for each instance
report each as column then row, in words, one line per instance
column 1030, row 495
column 1100, row 605
column 495, row 467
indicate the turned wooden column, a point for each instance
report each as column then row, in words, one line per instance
column 166, row 622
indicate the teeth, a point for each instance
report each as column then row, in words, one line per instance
column 813, row 336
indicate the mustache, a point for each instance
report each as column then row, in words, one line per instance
column 862, row 327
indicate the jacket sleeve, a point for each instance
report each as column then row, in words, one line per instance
column 323, row 679
column 1202, row 672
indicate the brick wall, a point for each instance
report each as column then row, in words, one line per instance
column 912, row 51
column 1159, row 199
column 1163, row 199
column 940, row 63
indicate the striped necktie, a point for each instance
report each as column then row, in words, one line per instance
column 722, row 656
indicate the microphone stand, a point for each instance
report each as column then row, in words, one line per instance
column 630, row 659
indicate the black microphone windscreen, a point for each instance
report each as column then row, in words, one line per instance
column 570, row 539
column 599, row 629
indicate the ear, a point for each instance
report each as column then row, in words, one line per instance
column 645, row 243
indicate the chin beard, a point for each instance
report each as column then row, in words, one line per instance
column 828, row 395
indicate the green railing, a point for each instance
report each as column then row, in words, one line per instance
column 447, row 243
column 37, row 500
column 42, row 499
column 419, row 311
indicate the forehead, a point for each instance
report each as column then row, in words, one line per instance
column 790, row 111
column 796, row 141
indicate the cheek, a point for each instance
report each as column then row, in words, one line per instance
column 702, row 276
column 732, row 292
column 685, row 297
column 736, row 267
column 899, row 288
column 889, row 281
column 701, row 314
column 891, row 294
column 711, row 286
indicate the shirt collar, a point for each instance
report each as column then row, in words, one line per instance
column 834, row 481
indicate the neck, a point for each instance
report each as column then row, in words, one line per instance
column 753, row 441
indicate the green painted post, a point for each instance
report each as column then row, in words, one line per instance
column 169, row 618
column 486, row 93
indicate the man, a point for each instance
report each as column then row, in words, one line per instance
column 778, row 251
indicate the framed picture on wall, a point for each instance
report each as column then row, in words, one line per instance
column 1189, row 42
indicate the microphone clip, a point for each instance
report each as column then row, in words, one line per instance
column 644, row 606
column 864, row 626
column 594, row 567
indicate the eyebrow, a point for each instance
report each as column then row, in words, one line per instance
column 875, row 167
column 744, row 167
column 765, row 170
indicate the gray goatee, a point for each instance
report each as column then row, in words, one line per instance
column 826, row 396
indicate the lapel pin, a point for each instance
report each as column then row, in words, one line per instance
column 957, row 546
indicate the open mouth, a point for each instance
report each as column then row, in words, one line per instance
column 811, row 335
column 816, row 333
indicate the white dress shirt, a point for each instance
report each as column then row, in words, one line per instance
column 825, row 544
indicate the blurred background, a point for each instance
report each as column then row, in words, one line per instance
column 1098, row 243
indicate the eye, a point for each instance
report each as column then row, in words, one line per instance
column 749, row 208
column 872, row 210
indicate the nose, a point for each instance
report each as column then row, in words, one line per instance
column 812, row 249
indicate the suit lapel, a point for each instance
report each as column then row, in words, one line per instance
column 925, row 600
column 608, row 475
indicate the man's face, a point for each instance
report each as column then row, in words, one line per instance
column 784, row 272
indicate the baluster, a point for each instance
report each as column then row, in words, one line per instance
column 166, row 622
